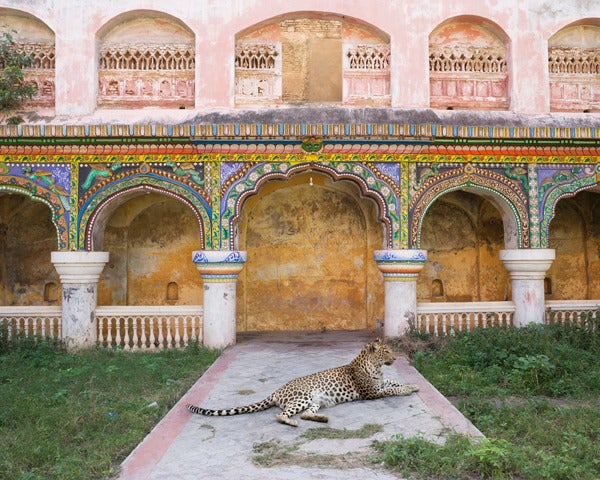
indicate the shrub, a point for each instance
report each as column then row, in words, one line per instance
column 14, row 90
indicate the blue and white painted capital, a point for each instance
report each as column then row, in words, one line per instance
column 400, row 265
column 219, row 265
column 219, row 256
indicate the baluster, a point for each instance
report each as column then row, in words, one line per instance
column 169, row 330
column 143, row 336
column 160, row 321
column 99, row 330
column 199, row 328
column 152, row 344
column 187, row 323
column 135, row 333
column 118, row 323
column 127, row 337
column 159, row 332
column 166, row 331
column 109, row 334
column 177, row 319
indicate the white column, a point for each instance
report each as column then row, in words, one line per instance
column 527, row 269
column 79, row 273
column 219, row 270
column 400, row 270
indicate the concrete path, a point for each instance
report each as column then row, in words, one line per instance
column 184, row 446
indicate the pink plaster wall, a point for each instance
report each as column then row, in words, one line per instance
column 215, row 23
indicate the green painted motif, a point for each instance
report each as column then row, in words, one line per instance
column 405, row 171
column 557, row 192
column 534, row 218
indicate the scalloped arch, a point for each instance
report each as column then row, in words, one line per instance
column 511, row 203
column 370, row 186
column 98, row 208
column 41, row 194
column 558, row 193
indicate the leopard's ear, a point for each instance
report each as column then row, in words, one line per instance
column 373, row 346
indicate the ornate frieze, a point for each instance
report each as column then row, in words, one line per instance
column 368, row 58
column 468, row 59
column 574, row 78
column 466, row 76
column 147, row 75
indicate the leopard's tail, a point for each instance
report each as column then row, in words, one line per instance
column 254, row 407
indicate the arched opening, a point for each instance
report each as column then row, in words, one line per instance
column 150, row 238
column 159, row 71
column 463, row 234
column 468, row 65
column 310, row 243
column 574, row 233
column 27, row 236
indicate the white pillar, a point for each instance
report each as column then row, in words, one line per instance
column 219, row 270
column 527, row 268
column 79, row 273
column 400, row 270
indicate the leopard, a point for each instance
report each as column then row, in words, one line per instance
column 361, row 379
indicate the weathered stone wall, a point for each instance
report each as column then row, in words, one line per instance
column 575, row 234
column 312, row 71
column 463, row 235
column 27, row 236
column 150, row 240
column 310, row 258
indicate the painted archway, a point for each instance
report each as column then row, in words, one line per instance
column 463, row 234
column 98, row 207
column 255, row 177
column 310, row 231
column 310, row 243
column 28, row 235
column 502, row 192
column 556, row 184
column 149, row 238
column 50, row 193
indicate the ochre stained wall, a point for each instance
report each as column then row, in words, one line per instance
column 310, row 257
column 575, row 235
column 150, row 240
column 27, row 236
column 463, row 235
column 312, row 71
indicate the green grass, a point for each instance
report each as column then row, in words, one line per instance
column 534, row 393
column 77, row 416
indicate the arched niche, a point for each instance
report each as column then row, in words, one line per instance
column 150, row 238
column 312, row 58
column 36, row 39
column 463, row 234
column 310, row 242
column 574, row 234
column 146, row 58
column 27, row 236
column 468, row 65
column 574, row 67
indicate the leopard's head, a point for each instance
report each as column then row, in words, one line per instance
column 379, row 353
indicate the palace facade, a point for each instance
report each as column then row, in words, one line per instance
column 325, row 165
